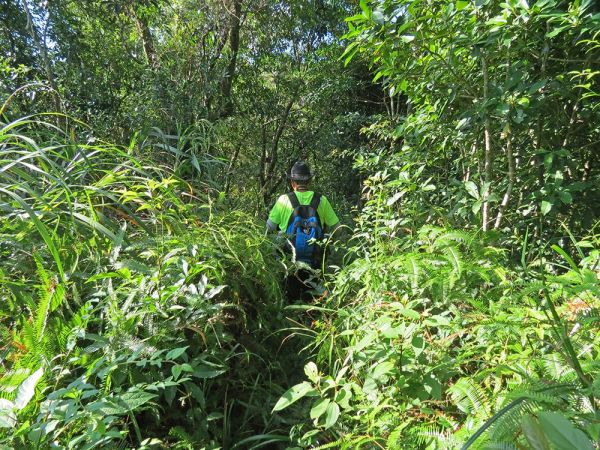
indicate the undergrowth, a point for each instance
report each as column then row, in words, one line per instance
column 134, row 312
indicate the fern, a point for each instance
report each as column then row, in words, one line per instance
column 470, row 397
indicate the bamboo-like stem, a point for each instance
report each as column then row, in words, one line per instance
column 487, row 167
column 511, row 177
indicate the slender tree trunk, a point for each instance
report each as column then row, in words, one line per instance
column 540, row 125
column 274, row 150
column 511, row 177
column 146, row 37
column 230, row 168
column 234, row 44
column 487, row 166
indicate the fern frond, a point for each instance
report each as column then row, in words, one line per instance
column 428, row 434
column 499, row 446
column 470, row 398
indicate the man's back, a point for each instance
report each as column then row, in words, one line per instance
column 283, row 210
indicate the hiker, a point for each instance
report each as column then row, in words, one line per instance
column 304, row 216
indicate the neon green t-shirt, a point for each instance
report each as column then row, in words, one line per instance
column 282, row 211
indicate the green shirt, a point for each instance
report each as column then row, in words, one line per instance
column 282, row 211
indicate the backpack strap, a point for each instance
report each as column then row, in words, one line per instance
column 314, row 203
column 316, row 200
column 293, row 200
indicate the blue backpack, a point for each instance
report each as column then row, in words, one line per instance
column 304, row 229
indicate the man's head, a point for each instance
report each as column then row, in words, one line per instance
column 300, row 175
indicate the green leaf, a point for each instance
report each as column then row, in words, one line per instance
column 26, row 389
column 472, row 189
column 536, row 86
column 378, row 17
column 332, row 414
column 123, row 403
column 292, row 395
column 208, row 371
column 460, row 5
column 343, row 397
column 176, row 353
column 381, row 370
column 557, row 31
column 566, row 256
column 8, row 418
column 534, row 433
column 312, row 372
column 546, row 207
column 562, row 434
column 565, row 197
column 319, row 409
column 176, row 371
column 394, row 198
column 418, row 344
column 365, row 8
column 409, row 313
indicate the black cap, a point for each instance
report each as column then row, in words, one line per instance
column 300, row 172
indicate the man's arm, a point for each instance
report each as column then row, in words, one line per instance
column 271, row 226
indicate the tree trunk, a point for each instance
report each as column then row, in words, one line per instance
column 487, row 166
column 234, row 44
column 270, row 155
column 146, row 37
column 511, row 178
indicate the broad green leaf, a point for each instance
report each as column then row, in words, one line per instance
column 534, row 433
column 312, row 372
column 176, row 353
column 432, row 386
column 565, row 197
column 319, row 409
column 562, row 434
column 409, row 313
column 472, row 189
column 176, row 371
column 332, row 414
column 134, row 399
column 546, row 207
column 208, row 371
column 292, row 395
column 26, row 389
column 381, row 370
column 418, row 344
column 121, row 404
column 343, row 397
column 8, row 418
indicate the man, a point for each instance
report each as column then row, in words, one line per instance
column 281, row 217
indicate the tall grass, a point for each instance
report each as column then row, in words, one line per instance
column 149, row 314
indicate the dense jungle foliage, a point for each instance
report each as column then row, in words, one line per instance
column 142, row 145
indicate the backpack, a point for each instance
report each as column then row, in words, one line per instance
column 304, row 229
